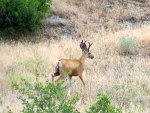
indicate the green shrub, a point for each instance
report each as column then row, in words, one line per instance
column 128, row 45
column 40, row 95
column 45, row 97
column 103, row 105
column 52, row 98
column 21, row 15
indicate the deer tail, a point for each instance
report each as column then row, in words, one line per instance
column 58, row 66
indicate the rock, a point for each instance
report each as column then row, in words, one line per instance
column 146, row 17
column 54, row 21
column 131, row 19
column 66, row 31
column 141, row 1
column 108, row 8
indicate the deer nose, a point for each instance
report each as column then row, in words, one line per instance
column 92, row 57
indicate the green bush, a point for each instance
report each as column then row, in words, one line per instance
column 103, row 105
column 128, row 45
column 44, row 98
column 21, row 15
column 51, row 98
column 38, row 95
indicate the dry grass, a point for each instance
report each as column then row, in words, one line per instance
column 124, row 78
column 98, row 15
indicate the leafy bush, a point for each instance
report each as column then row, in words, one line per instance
column 51, row 98
column 20, row 15
column 103, row 105
column 128, row 45
column 44, row 98
column 40, row 95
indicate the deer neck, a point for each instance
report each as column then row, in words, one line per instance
column 83, row 58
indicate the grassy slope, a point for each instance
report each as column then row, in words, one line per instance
column 125, row 79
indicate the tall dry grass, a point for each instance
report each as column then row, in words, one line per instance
column 124, row 78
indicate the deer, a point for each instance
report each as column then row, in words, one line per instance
column 76, row 66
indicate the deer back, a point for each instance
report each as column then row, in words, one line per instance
column 73, row 65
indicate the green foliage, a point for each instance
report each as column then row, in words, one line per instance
column 42, row 96
column 20, row 15
column 103, row 105
column 0, row 101
column 128, row 45
column 45, row 97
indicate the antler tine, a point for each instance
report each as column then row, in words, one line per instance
column 83, row 45
column 89, row 45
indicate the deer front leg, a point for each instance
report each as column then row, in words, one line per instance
column 82, row 80
column 69, row 90
column 80, row 76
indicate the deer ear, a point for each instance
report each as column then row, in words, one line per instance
column 83, row 45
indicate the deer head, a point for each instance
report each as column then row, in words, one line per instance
column 86, row 50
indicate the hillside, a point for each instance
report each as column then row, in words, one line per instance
column 125, row 78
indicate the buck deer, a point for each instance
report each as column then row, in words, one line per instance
column 76, row 66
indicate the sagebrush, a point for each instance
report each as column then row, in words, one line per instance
column 128, row 45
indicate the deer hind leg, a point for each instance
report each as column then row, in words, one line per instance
column 60, row 77
column 53, row 78
column 57, row 69
column 52, row 75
